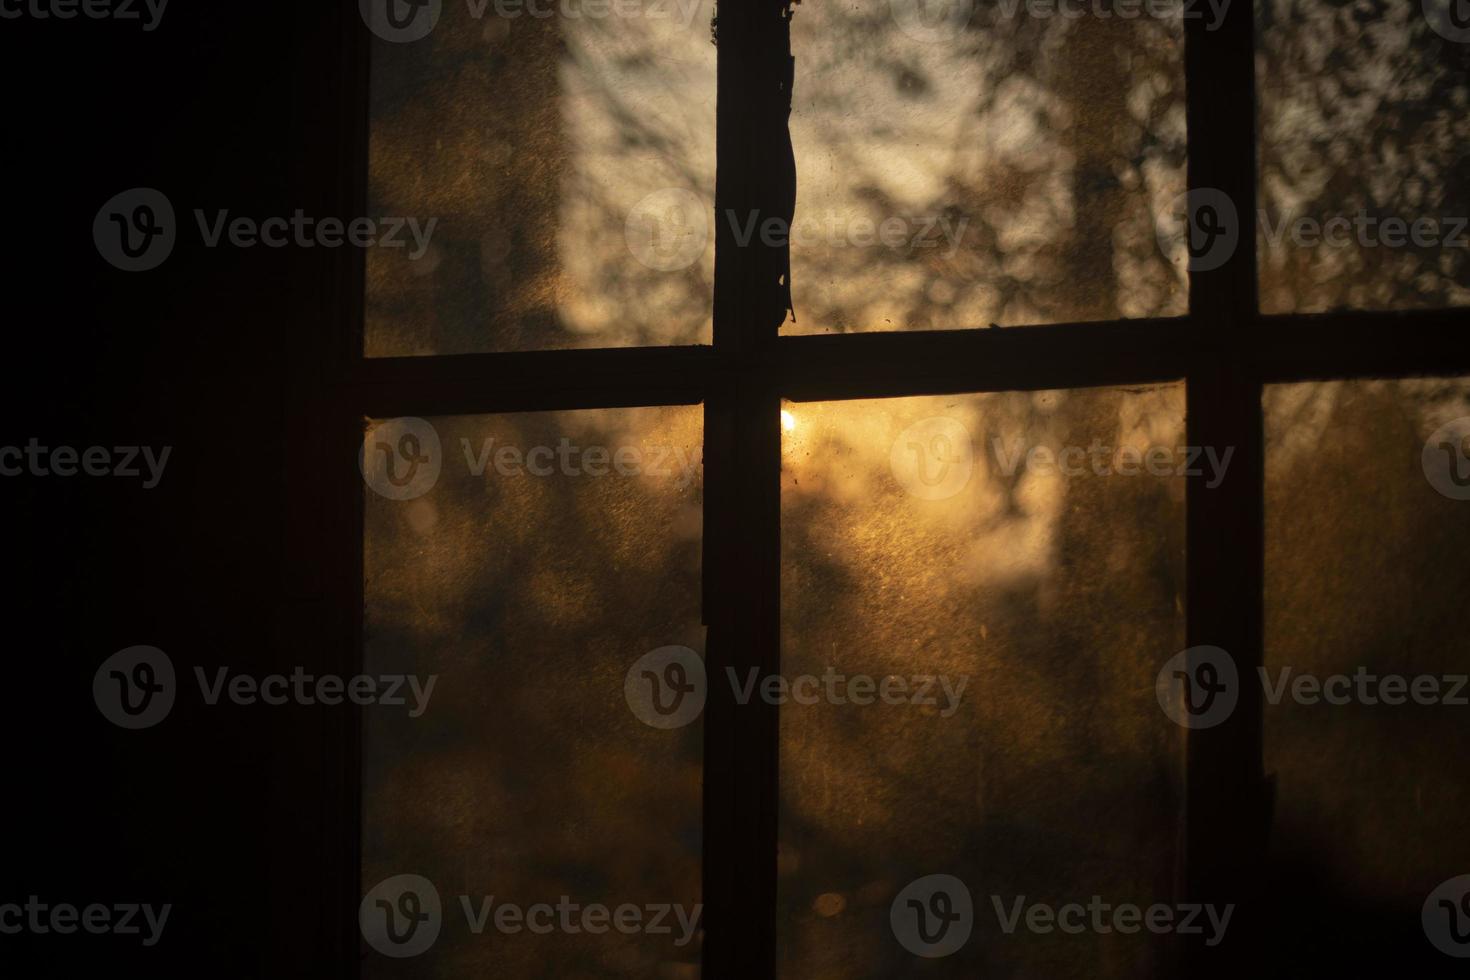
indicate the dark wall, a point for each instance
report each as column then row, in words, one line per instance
column 231, row 814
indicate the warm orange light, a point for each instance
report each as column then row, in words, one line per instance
column 788, row 421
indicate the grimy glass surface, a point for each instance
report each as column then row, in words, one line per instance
column 1010, row 546
column 529, row 591
column 1367, row 532
column 568, row 164
column 1364, row 122
column 972, row 164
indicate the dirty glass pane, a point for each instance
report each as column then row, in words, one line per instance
column 565, row 149
column 970, row 163
column 1367, row 529
column 1364, row 120
column 1013, row 574
column 529, row 562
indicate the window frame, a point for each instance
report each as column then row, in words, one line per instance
column 1223, row 349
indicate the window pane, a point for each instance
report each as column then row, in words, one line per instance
column 569, row 162
column 1364, row 128
column 963, row 165
column 530, row 591
column 1368, row 525
column 1007, row 545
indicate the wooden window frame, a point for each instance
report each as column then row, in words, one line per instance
column 1224, row 350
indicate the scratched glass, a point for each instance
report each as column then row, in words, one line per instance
column 967, row 165
column 547, row 556
column 1367, row 528
column 1002, row 568
column 1364, row 124
column 567, row 162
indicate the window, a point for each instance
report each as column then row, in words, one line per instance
column 589, row 289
